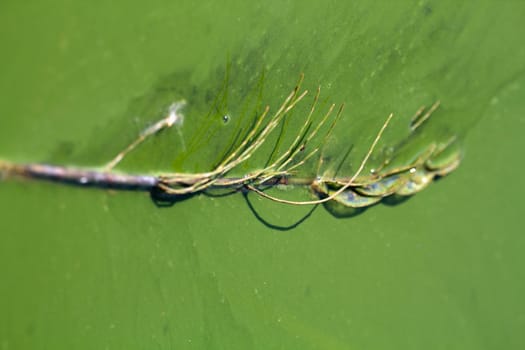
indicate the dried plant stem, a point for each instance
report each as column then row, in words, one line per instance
column 281, row 171
column 419, row 118
column 339, row 191
column 112, row 179
column 232, row 161
column 172, row 117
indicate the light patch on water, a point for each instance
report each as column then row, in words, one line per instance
column 176, row 118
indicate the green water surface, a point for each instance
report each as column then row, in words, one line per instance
column 97, row 269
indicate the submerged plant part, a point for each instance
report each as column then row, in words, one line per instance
column 353, row 192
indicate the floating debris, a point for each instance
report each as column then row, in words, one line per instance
column 388, row 181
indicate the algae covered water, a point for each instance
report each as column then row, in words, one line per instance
column 93, row 268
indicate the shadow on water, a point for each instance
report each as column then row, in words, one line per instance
column 394, row 200
column 340, row 211
column 267, row 223
column 163, row 200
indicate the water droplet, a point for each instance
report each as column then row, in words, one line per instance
column 225, row 118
